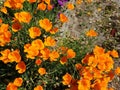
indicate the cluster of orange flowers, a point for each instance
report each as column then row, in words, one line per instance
column 15, row 84
column 5, row 34
column 95, row 71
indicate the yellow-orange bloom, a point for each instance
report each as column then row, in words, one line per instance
column 45, row 24
column 18, row 82
column 114, row 53
column 49, row 41
column 4, row 10
column 38, row 44
column 16, row 26
column 63, row 18
column 70, row 6
column 38, row 62
column 91, row 33
column 67, row 79
column 78, row 66
column 42, row 71
column 34, row 32
column 4, row 56
column 70, row 53
column 54, row 55
column 39, row 87
column 5, row 35
column 41, row 6
column 1, row 20
column 14, row 56
column 47, row 1
column 79, row 1
column 14, row 4
column 84, row 84
column 63, row 60
column 98, row 50
column 31, row 1
column 49, row 7
column 45, row 53
column 54, row 30
column 11, row 86
column 111, row 88
column 23, row 16
column 21, row 67
column 117, row 71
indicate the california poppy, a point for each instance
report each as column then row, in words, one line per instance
column 18, row 82
column 91, row 33
column 42, row 71
column 45, row 24
column 39, row 87
column 63, row 18
column 34, row 32
column 21, row 67
column 67, row 79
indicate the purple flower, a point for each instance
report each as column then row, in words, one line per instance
column 62, row 2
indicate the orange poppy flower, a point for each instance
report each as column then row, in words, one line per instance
column 38, row 62
column 63, row 60
column 41, row 6
column 54, row 55
column 11, row 86
column 63, row 18
column 49, row 7
column 114, row 53
column 84, row 84
column 54, row 30
column 91, row 32
column 70, row 6
column 16, row 26
column 15, row 4
column 4, row 10
column 7, row 3
column 1, row 20
column 21, row 67
column 73, row 85
column 26, row 47
column 49, row 41
column 98, row 50
column 31, row 1
column 42, row 71
column 32, row 52
column 18, row 82
column 4, row 28
column 79, row 1
column 38, row 87
column 4, row 56
column 66, row 79
column 34, row 32
column 23, row 16
column 47, row 1
column 45, row 53
column 111, row 74
column 14, row 56
column 117, row 71
column 70, row 53
column 85, row 59
column 38, row 44
column 63, row 50
column 45, row 24
column 78, row 66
